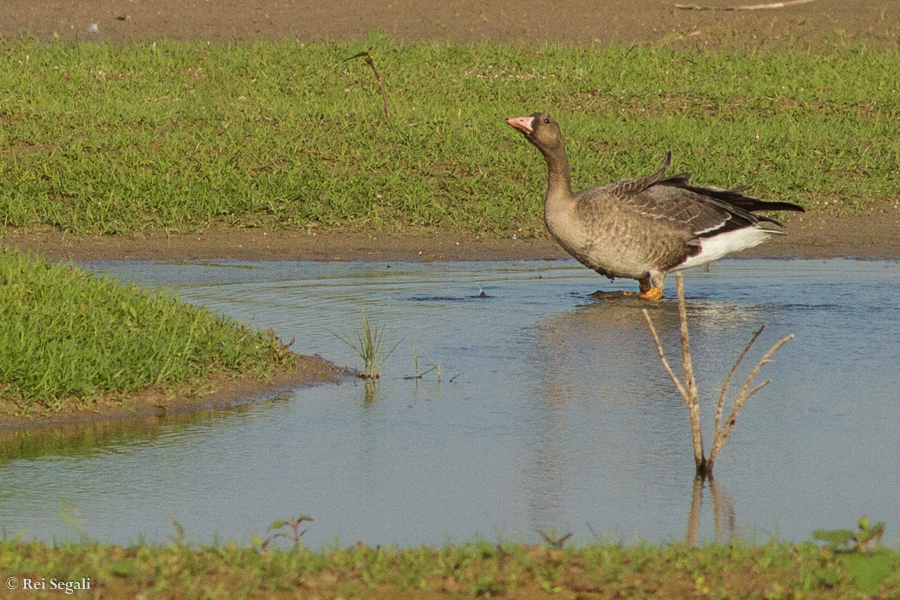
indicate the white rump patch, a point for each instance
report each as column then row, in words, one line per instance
column 716, row 247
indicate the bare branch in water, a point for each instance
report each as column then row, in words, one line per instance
column 721, row 403
column 722, row 434
column 688, row 387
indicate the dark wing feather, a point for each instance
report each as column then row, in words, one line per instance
column 630, row 187
column 735, row 198
column 691, row 213
column 706, row 211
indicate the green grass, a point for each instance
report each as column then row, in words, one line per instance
column 368, row 344
column 601, row 570
column 67, row 336
column 179, row 136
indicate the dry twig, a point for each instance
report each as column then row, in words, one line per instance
column 688, row 388
column 744, row 6
column 368, row 56
column 734, row 367
column 371, row 62
column 722, row 434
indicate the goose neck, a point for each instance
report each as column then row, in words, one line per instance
column 560, row 178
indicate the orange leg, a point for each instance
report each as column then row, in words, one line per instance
column 652, row 285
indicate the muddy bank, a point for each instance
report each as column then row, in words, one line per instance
column 875, row 235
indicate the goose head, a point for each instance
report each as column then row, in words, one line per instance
column 541, row 130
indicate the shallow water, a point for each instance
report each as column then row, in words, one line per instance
column 552, row 412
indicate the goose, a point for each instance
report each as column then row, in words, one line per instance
column 646, row 227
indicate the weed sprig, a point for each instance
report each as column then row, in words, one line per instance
column 369, row 346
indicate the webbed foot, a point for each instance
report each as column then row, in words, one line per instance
column 653, row 293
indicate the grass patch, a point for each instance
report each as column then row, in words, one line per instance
column 180, row 135
column 369, row 346
column 68, row 337
column 479, row 568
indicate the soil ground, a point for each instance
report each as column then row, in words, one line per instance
column 875, row 235
column 813, row 23
column 574, row 21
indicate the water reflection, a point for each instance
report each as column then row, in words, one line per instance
column 553, row 412
column 95, row 437
column 724, row 517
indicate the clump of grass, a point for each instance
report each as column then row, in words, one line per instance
column 867, row 539
column 369, row 346
column 862, row 555
column 690, row 394
column 68, row 337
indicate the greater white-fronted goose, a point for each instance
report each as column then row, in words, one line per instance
column 643, row 228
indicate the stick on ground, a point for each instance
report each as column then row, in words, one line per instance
column 744, row 6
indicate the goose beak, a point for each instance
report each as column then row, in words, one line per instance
column 522, row 124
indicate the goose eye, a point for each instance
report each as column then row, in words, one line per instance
column 546, row 121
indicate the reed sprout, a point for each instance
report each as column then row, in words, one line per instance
column 416, row 374
column 369, row 346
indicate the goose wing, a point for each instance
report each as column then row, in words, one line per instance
column 631, row 187
column 692, row 210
